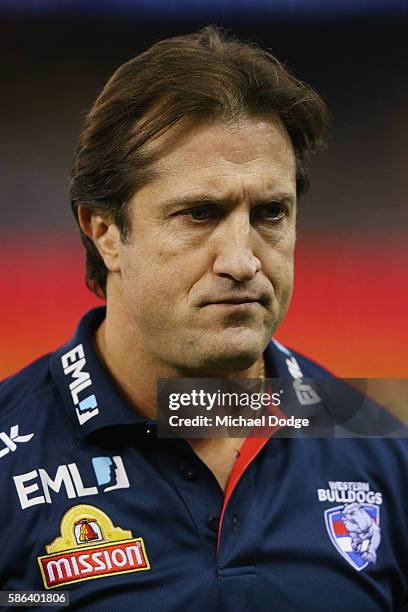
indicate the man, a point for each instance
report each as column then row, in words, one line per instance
column 185, row 185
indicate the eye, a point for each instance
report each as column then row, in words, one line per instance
column 200, row 213
column 273, row 211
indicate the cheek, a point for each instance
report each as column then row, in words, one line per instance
column 278, row 266
column 138, row 279
column 154, row 280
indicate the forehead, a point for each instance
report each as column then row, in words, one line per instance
column 238, row 159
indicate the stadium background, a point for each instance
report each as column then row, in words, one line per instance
column 349, row 309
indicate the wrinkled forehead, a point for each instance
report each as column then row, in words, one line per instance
column 251, row 153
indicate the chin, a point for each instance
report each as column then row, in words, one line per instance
column 234, row 354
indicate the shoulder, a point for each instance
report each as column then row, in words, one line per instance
column 349, row 403
column 26, row 386
column 31, row 419
column 312, row 368
column 308, row 367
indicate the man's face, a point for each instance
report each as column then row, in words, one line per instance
column 207, row 272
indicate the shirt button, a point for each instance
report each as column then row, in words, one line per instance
column 213, row 522
column 189, row 473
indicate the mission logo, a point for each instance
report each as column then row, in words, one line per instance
column 90, row 546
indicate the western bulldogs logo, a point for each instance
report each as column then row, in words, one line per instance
column 354, row 529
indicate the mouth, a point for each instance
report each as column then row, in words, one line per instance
column 241, row 307
column 240, row 300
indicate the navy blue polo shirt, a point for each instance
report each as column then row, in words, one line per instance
column 95, row 503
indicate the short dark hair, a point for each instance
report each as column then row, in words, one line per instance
column 205, row 75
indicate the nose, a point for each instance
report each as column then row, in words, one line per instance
column 234, row 252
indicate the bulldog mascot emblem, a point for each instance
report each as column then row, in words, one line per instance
column 354, row 529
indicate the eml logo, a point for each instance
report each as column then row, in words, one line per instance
column 73, row 363
column 39, row 487
column 304, row 392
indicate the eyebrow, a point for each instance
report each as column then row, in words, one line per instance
column 207, row 198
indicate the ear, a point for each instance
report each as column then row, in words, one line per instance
column 104, row 234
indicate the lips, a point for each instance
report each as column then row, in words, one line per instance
column 241, row 299
column 234, row 295
column 234, row 301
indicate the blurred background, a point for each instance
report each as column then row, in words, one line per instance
column 349, row 308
